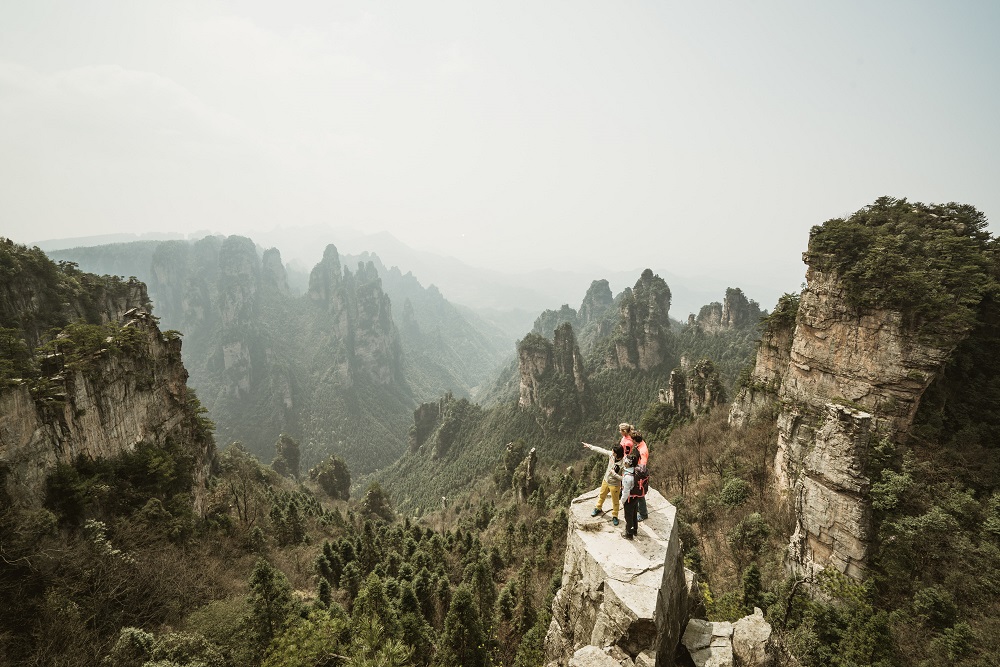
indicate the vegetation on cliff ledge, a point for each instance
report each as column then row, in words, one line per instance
column 933, row 262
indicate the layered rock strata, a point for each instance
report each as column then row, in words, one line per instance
column 838, row 378
column 641, row 339
column 116, row 402
column 735, row 312
column 551, row 374
column 693, row 389
column 627, row 600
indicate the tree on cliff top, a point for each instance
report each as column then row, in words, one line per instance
column 286, row 463
column 933, row 262
column 334, row 477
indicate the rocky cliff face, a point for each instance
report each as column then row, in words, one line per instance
column 326, row 287
column 552, row 375
column 694, row 389
column 184, row 285
column 596, row 302
column 633, row 604
column 735, row 312
column 838, row 377
column 567, row 359
column 593, row 321
column 273, row 274
column 239, row 284
column 626, row 600
column 641, row 339
column 361, row 319
column 99, row 408
column 375, row 341
column 758, row 395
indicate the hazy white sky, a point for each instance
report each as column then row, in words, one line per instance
column 694, row 137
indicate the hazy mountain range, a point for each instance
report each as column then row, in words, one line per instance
column 509, row 299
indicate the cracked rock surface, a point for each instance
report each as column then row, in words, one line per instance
column 621, row 596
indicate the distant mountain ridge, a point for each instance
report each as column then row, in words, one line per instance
column 347, row 359
column 508, row 299
column 578, row 373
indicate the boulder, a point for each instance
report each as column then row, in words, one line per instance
column 709, row 644
column 591, row 656
column 752, row 643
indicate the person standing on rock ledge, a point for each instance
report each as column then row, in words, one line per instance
column 612, row 479
column 626, row 430
column 643, row 453
column 629, row 500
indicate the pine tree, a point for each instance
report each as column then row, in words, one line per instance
column 525, row 612
column 270, row 602
column 376, row 503
column 324, row 593
column 372, row 602
column 371, row 647
column 463, row 631
column 751, row 588
column 350, row 581
column 479, row 580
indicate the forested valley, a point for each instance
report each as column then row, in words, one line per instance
column 404, row 508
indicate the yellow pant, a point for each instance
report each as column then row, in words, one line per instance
column 616, row 492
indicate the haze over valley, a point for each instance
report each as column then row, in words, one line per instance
column 453, row 334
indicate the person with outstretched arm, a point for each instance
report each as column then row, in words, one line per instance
column 612, row 479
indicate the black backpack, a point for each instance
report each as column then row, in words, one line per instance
column 641, row 477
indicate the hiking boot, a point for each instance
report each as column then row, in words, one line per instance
column 595, row 512
column 614, row 521
column 641, row 518
column 627, row 535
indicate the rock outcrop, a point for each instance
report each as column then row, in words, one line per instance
column 709, row 644
column 693, row 389
column 596, row 303
column 426, row 418
column 374, row 343
column 838, row 377
column 523, row 479
column 735, row 312
column 626, row 600
column 108, row 381
column 552, row 375
column 641, row 340
column 35, row 296
column 360, row 319
column 593, row 321
column 114, row 401
column 549, row 320
column 273, row 274
column 746, row 643
column 753, row 642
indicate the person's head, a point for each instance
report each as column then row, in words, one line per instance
column 618, row 452
column 636, row 437
column 625, row 428
column 631, row 461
